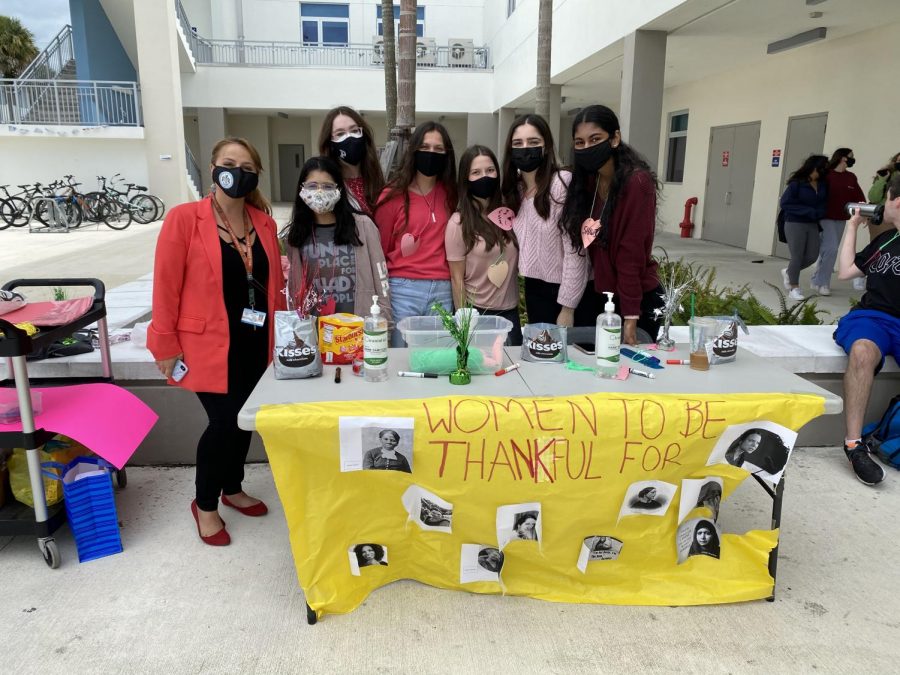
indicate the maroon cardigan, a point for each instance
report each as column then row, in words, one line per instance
column 625, row 266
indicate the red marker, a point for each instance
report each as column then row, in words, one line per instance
column 508, row 369
column 677, row 362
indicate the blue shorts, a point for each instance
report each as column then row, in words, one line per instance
column 870, row 324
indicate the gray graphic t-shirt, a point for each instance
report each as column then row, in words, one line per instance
column 336, row 268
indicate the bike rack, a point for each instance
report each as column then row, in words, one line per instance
column 54, row 211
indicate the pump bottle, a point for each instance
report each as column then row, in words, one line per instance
column 375, row 344
column 607, row 339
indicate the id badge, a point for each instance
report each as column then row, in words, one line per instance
column 253, row 317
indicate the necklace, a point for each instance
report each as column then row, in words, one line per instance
column 243, row 247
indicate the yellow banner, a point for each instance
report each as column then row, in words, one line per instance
column 597, row 498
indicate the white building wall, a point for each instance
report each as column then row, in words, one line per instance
column 255, row 128
column 851, row 79
column 49, row 158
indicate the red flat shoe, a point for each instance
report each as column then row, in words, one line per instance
column 220, row 538
column 254, row 511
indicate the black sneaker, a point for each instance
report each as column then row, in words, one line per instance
column 866, row 469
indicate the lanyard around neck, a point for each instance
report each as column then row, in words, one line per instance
column 243, row 246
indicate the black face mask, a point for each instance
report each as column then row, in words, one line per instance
column 851, row 161
column 235, row 182
column 526, row 159
column 896, row 166
column 430, row 163
column 350, row 150
column 484, row 187
column 593, row 158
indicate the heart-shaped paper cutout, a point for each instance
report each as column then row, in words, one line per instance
column 498, row 272
column 328, row 306
column 502, row 217
column 408, row 244
column 590, row 228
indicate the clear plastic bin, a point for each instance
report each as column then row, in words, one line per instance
column 433, row 350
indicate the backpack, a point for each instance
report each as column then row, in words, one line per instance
column 883, row 436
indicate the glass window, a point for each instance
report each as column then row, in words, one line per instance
column 324, row 24
column 676, row 146
column 420, row 21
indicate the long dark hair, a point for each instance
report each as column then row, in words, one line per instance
column 406, row 174
column 474, row 222
column 837, row 156
column 545, row 172
column 303, row 220
column 626, row 160
column 810, row 164
column 713, row 544
column 370, row 167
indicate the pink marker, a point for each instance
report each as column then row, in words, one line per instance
column 508, row 369
column 677, row 362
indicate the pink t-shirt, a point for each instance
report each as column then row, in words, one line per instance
column 427, row 222
column 481, row 291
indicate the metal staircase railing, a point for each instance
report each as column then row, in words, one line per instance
column 70, row 102
column 49, row 63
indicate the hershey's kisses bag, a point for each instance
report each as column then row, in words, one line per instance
column 544, row 343
column 296, row 347
column 724, row 347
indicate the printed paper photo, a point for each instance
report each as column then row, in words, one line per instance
column 763, row 448
column 700, row 493
column 376, row 443
column 598, row 547
column 698, row 536
column 479, row 562
column 366, row 555
column 427, row 510
column 648, row 498
column 518, row 521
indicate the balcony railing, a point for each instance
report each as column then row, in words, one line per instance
column 298, row 55
column 50, row 62
column 70, row 102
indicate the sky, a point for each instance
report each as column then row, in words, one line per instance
column 44, row 18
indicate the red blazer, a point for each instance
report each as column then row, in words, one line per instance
column 188, row 305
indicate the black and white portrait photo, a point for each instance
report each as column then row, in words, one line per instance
column 480, row 562
column 648, row 498
column 427, row 510
column 700, row 493
column 698, row 537
column 367, row 555
column 518, row 522
column 598, row 547
column 376, row 443
column 762, row 448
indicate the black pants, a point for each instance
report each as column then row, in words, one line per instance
column 514, row 339
column 541, row 305
column 223, row 447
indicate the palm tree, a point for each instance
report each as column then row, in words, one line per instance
column 390, row 63
column 545, row 31
column 17, row 48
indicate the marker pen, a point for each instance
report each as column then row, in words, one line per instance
column 508, row 369
column 407, row 373
column 337, row 375
column 677, row 362
column 642, row 373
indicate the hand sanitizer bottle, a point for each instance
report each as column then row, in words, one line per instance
column 375, row 344
column 607, row 339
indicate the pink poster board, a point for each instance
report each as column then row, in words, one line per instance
column 109, row 420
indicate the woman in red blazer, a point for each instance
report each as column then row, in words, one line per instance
column 217, row 282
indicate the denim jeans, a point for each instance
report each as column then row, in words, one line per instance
column 414, row 297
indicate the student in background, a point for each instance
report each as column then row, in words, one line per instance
column 803, row 201
column 483, row 257
column 412, row 215
column 534, row 187
column 616, row 188
column 348, row 139
column 878, row 192
column 842, row 187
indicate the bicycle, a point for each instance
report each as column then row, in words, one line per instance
column 150, row 207
column 58, row 212
column 15, row 210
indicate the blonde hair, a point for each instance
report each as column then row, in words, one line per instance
column 255, row 198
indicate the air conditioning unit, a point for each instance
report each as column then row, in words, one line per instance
column 461, row 52
column 426, row 52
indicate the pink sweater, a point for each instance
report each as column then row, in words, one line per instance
column 545, row 253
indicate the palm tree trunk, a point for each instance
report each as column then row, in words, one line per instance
column 545, row 31
column 390, row 63
column 406, row 85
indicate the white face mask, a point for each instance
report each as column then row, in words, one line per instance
column 321, row 201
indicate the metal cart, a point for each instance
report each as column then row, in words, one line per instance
column 15, row 346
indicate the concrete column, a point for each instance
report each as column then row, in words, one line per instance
column 481, row 128
column 643, row 78
column 212, row 129
column 504, row 122
column 564, row 139
column 160, row 79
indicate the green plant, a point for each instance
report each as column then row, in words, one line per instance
column 59, row 293
column 713, row 300
column 461, row 330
